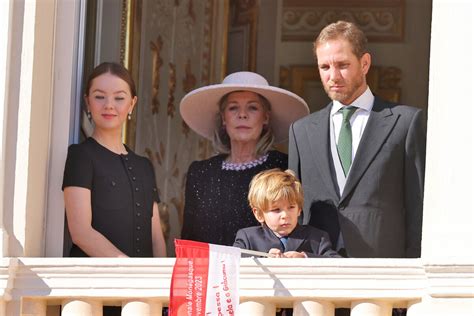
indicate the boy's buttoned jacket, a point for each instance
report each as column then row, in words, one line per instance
column 314, row 242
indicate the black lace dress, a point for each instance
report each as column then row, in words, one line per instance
column 216, row 204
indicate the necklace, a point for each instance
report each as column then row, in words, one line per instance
column 244, row 165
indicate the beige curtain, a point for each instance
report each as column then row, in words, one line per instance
column 181, row 48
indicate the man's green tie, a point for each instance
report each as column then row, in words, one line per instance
column 344, row 143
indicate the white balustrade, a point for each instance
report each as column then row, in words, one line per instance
column 316, row 287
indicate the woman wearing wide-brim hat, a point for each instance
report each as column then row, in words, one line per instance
column 244, row 117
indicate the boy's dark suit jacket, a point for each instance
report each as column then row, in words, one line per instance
column 314, row 242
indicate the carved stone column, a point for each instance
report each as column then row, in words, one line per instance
column 252, row 308
column 371, row 308
column 143, row 308
column 313, row 308
column 84, row 307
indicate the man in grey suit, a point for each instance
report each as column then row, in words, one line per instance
column 360, row 159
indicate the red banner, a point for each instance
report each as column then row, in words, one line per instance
column 205, row 279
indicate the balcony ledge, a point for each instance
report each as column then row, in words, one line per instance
column 284, row 280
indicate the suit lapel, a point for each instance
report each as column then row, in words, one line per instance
column 273, row 240
column 318, row 135
column 296, row 238
column 379, row 127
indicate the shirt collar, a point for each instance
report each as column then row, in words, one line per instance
column 365, row 101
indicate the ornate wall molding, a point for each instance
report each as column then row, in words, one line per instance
column 381, row 20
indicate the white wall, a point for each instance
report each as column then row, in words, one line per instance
column 29, row 110
column 66, row 78
column 35, row 128
column 5, row 11
column 448, row 224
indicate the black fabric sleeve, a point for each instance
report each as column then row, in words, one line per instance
column 241, row 240
column 190, row 203
column 79, row 170
column 156, row 196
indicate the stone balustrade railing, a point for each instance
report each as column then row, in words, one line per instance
column 369, row 287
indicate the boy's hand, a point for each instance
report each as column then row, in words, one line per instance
column 293, row 254
column 275, row 253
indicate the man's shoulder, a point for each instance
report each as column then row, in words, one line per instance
column 324, row 112
column 406, row 109
column 394, row 107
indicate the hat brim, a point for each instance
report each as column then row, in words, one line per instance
column 199, row 108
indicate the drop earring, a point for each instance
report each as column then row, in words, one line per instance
column 89, row 115
column 129, row 116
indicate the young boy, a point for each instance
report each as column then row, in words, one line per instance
column 276, row 199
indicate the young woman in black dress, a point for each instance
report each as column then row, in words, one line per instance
column 110, row 192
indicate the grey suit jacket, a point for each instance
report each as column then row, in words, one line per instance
column 314, row 242
column 380, row 210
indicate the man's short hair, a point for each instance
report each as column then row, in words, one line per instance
column 343, row 30
column 272, row 185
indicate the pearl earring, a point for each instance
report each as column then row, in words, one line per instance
column 129, row 116
column 89, row 115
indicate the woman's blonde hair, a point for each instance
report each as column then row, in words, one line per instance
column 272, row 185
column 221, row 139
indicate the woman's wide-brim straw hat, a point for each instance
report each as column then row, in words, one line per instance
column 199, row 108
